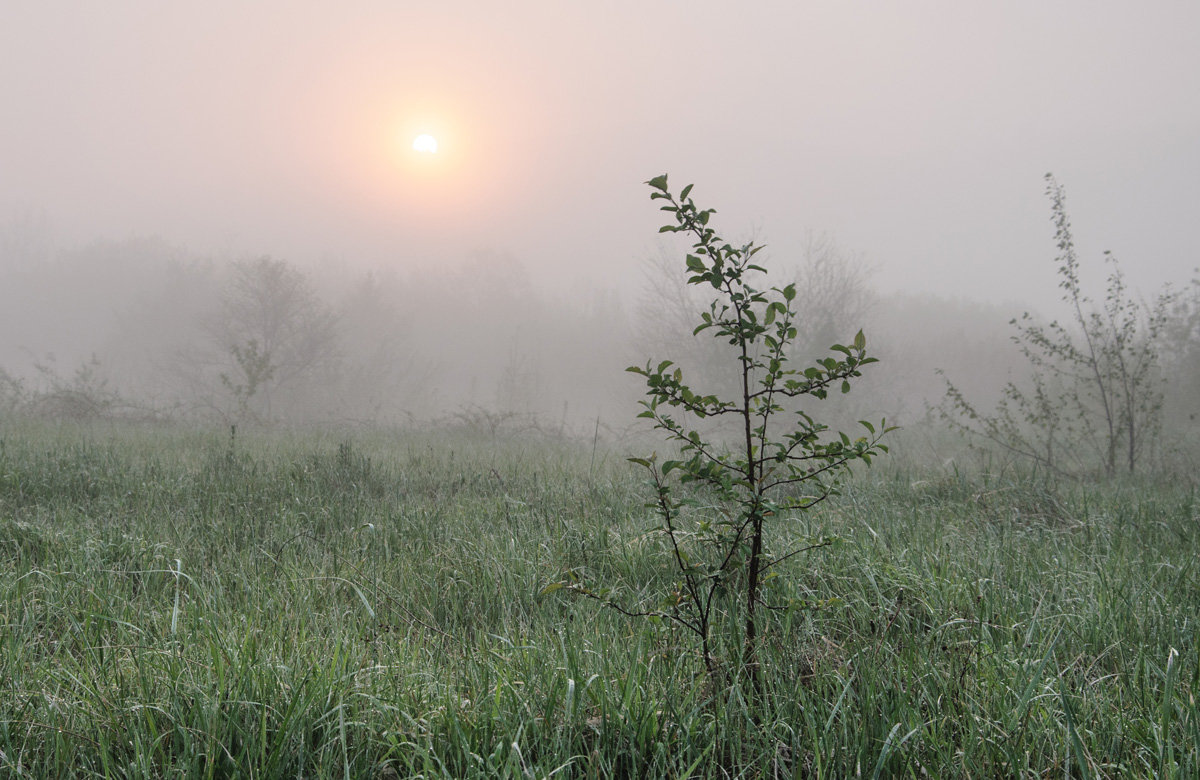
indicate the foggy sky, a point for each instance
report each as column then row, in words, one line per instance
column 916, row 133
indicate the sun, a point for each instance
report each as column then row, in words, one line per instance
column 425, row 144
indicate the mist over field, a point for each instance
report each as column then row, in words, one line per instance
column 157, row 327
column 166, row 171
column 622, row 390
column 141, row 329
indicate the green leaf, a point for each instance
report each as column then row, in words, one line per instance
column 552, row 587
column 659, row 182
column 682, row 193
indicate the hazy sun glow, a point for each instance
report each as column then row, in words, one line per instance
column 425, row 144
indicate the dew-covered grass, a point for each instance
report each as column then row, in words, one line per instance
column 369, row 604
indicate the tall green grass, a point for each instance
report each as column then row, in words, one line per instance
column 367, row 604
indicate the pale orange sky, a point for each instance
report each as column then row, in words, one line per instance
column 917, row 133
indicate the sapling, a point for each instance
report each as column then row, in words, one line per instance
column 1096, row 385
column 782, row 461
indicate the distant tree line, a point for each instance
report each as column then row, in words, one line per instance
column 141, row 329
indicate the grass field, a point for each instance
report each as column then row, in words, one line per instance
column 368, row 605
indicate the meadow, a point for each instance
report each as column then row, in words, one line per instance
column 369, row 604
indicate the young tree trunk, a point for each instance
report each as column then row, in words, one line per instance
column 750, row 649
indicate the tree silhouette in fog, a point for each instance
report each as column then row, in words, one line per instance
column 274, row 334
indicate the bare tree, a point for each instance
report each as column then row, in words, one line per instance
column 273, row 335
column 835, row 290
column 837, row 293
